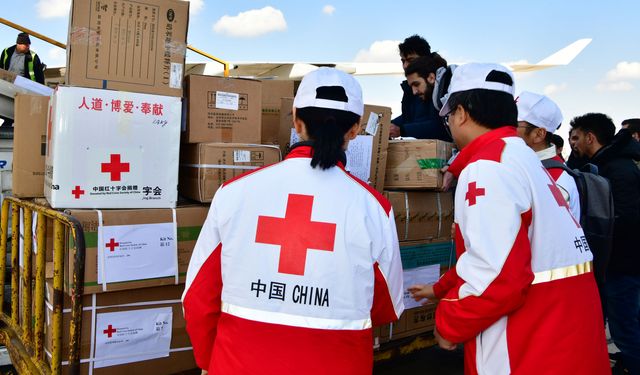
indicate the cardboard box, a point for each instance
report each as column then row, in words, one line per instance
column 112, row 149
column 286, row 124
column 223, row 110
column 367, row 154
column 422, row 215
column 29, row 145
column 126, row 45
column 376, row 122
column 206, row 166
column 110, row 333
column 412, row 322
column 416, row 164
column 272, row 93
column 138, row 247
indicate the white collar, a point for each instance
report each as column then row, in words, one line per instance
column 547, row 153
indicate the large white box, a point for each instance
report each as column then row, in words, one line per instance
column 112, row 149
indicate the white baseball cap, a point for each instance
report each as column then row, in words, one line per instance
column 538, row 110
column 477, row 76
column 330, row 88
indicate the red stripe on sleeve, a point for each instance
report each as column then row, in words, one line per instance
column 382, row 310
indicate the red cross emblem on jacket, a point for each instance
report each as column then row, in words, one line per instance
column 296, row 233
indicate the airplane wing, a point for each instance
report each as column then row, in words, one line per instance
column 296, row 70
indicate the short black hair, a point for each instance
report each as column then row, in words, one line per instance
column 599, row 124
column 426, row 65
column 633, row 124
column 415, row 44
column 557, row 140
column 489, row 108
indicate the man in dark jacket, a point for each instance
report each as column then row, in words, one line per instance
column 419, row 119
column 614, row 156
column 22, row 61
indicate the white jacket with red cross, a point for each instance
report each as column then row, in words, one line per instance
column 565, row 182
column 293, row 267
column 522, row 297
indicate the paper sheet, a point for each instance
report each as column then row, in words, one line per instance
column 136, row 252
column 421, row 275
column 359, row 157
column 227, row 100
column 132, row 336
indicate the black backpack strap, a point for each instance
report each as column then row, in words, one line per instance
column 552, row 163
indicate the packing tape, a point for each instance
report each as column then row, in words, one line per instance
column 220, row 166
column 175, row 240
column 91, row 360
column 92, row 351
column 439, row 204
column 133, row 304
column 101, row 252
column 406, row 221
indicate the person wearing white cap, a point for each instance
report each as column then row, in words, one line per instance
column 538, row 118
column 298, row 260
column 522, row 297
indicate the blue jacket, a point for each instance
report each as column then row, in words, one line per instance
column 419, row 119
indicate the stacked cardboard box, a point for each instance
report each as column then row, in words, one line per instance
column 119, row 150
column 415, row 164
column 223, row 135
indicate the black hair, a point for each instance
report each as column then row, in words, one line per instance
column 415, row 44
column 489, row 108
column 426, row 65
column 633, row 124
column 599, row 124
column 326, row 128
column 548, row 136
column 557, row 140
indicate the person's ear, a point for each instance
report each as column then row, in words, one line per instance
column 353, row 132
column 431, row 79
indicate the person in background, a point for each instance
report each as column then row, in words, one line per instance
column 522, row 296
column 615, row 156
column 20, row 59
column 557, row 141
column 292, row 280
column 421, row 77
column 418, row 119
column 538, row 118
column 633, row 124
column 575, row 160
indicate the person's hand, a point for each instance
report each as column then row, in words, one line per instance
column 442, row 342
column 204, row 372
column 394, row 131
column 447, row 179
column 422, row 291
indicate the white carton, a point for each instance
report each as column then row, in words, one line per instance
column 112, row 149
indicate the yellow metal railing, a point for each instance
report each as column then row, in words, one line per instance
column 24, row 334
column 64, row 46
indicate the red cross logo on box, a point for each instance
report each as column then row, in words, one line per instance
column 109, row 331
column 296, row 233
column 473, row 193
column 112, row 245
column 115, row 167
column 77, row 192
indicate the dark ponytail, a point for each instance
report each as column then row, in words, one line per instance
column 326, row 128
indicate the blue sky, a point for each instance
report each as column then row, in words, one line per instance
column 603, row 78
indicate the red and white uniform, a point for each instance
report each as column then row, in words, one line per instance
column 565, row 182
column 293, row 267
column 522, row 297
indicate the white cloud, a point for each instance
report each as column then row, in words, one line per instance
column 624, row 70
column 615, row 86
column 328, row 9
column 196, row 6
column 251, row 23
column 553, row 88
column 53, row 8
column 380, row 51
column 56, row 57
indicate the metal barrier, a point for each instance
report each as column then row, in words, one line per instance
column 24, row 339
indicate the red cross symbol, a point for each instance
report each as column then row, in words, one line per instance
column 112, row 245
column 557, row 194
column 115, row 167
column 473, row 193
column 109, row 331
column 296, row 233
column 77, row 192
